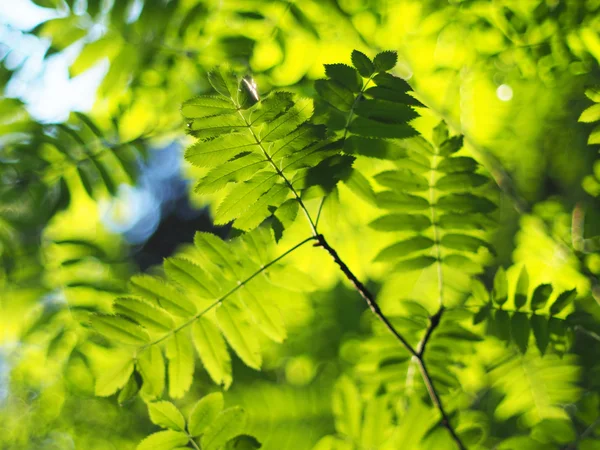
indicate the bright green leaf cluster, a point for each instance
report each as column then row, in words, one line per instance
column 213, row 296
column 533, row 314
column 215, row 428
column 432, row 195
column 265, row 152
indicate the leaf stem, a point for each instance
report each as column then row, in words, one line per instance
column 436, row 231
column 435, row 398
column 193, row 442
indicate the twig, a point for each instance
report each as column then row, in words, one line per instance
column 364, row 292
column 434, row 321
column 417, row 354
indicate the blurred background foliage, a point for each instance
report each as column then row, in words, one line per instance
column 94, row 189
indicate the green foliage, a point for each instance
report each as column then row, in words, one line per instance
column 213, row 426
column 266, row 148
column 416, row 174
column 432, row 197
column 533, row 315
column 212, row 295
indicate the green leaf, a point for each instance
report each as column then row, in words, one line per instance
column 457, row 164
column 213, row 126
column 500, row 291
column 404, row 248
column 522, row 290
column 243, row 442
column 591, row 114
column 205, row 106
column 347, row 408
column 164, row 440
column 204, row 413
column 181, row 364
column 540, row 296
column 147, row 315
column 465, row 203
column 502, row 320
column 384, row 111
column 403, row 180
column 344, row 75
column 336, row 94
column 151, row 366
column 594, row 136
column 451, row 145
column 110, row 379
column 264, row 314
column 239, row 168
column 210, row 153
column 129, row 391
column 385, row 61
column 562, row 301
column 420, row 262
column 289, row 121
column 212, row 350
column 401, row 202
column 484, row 313
column 360, row 185
column 460, row 182
column 392, row 83
column 519, row 330
column 461, row 262
column 463, row 242
column 243, row 196
column 239, row 334
column 451, row 221
column 191, row 277
column 373, row 148
column 271, row 107
column 227, row 425
column 333, row 443
column 167, row 296
column 363, row 64
column 372, row 128
column 440, row 133
column 166, row 415
column 554, row 431
column 377, row 423
column 119, row 329
column 401, row 222
column 539, row 326
column 224, row 81
column 87, row 179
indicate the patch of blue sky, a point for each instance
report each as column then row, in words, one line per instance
column 43, row 83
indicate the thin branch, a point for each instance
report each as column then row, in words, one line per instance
column 224, row 296
column 435, row 398
column 364, row 292
column 370, row 299
column 434, row 321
